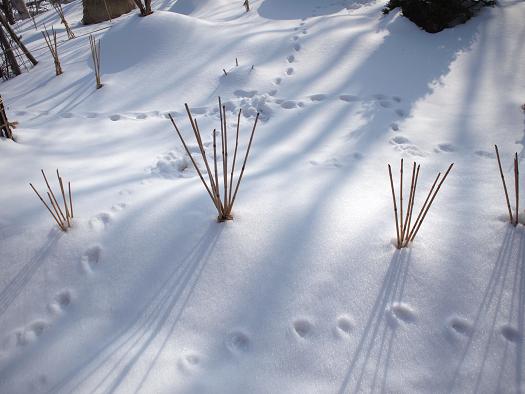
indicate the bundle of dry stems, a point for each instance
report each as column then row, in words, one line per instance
column 224, row 203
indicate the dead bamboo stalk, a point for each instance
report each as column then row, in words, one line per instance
column 225, row 158
column 401, row 203
column 422, row 209
column 517, row 186
column 504, row 184
column 412, row 205
column 398, row 245
column 56, row 210
column 431, row 201
column 64, row 198
column 407, row 214
column 243, row 164
column 70, row 198
column 95, row 54
column 234, row 155
column 51, row 42
column 47, row 206
column 53, row 195
column 60, row 11
column 193, row 161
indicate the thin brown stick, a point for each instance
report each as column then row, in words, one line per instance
column 401, row 203
column 431, row 201
column 95, row 54
column 70, row 198
column 197, row 134
column 225, row 158
column 411, row 206
column 517, row 186
column 407, row 214
column 224, row 71
column 51, row 42
column 504, row 184
column 398, row 245
column 58, row 8
column 55, row 209
column 215, row 155
column 64, row 198
column 53, row 195
column 234, row 156
column 422, row 209
column 193, row 161
column 47, row 206
column 243, row 164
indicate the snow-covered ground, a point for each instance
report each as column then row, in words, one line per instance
column 304, row 291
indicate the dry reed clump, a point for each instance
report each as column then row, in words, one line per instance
column 63, row 220
column 95, row 54
column 224, row 203
column 406, row 229
column 60, row 11
column 51, row 41
column 513, row 219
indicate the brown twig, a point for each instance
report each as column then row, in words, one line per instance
column 95, row 54
column 51, row 42
column 47, row 206
column 58, row 8
column 517, row 186
column 504, row 184
column 395, row 206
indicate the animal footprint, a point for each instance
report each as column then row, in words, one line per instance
column 399, row 140
column 297, row 47
column 66, row 115
column 141, row 116
column 291, row 59
column 91, row 258
column 118, row 207
column 394, row 126
column 510, row 333
column 348, row 98
column 318, row 97
column 397, row 99
column 302, row 328
column 445, row 148
column 114, row 118
column 289, row 104
column 101, row 221
column 385, row 104
column 344, row 326
column 277, row 81
column 400, row 311
column 188, row 362
column 238, row 342
column 289, row 71
column 38, row 327
column 461, row 326
column 62, row 301
column 400, row 113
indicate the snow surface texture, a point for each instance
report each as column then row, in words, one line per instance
column 304, row 292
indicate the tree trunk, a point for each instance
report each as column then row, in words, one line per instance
column 8, row 11
column 8, row 51
column 20, row 7
column 16, row 39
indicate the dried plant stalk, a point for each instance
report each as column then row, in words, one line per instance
column 514, row 219
column 5, row 126
column 51, row 42
column 63, row 221
column 504, row 184
column 517, row 187
column 407, row 231
column 95, row 54
column 223, row 205
column 60, row 11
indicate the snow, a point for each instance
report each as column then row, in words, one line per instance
column 304, row 291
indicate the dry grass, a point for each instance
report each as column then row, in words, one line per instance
column 62, row 217
column 60, row 11
column 513, row 219
column 406, row 227
column 223, row 199
column 95, row 54
column 51, row 41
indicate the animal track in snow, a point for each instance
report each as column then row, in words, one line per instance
column 445, row 148
column 510, row 333
column 302, row 327
column 101, row 221
column 118, row 207
column 460, row 325
column 91, row 258
column 272, row 92
column 291, row 59
column 245, row 93
column 297, row 47
column 344, row 325
column 300, row 104
column 348, row 98
column 61, row 302
column 397, row 99
column 295, row 38
column 400, row 311
column 141, row 116
column 66, row 115
column 277, row 81
column 289, row 71
column 318, row 97
column 385, row 104
column 91, row 115
column 38, row 327
column 188, row 362
column 289, row 104
column 114, row 118
column 394, row 126
column 238, row 342
column 379, row 96
column 400, row 113
column 399, row 140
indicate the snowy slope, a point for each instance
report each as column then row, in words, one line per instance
column 304, row 292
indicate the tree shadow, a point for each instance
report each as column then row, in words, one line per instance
column 487, row 356
column 371, row 359
column 108, row 365
column 9, row 294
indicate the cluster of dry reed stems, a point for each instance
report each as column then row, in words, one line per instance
column 58, row 8
column 224, row 203
column 63, row 220
column 513, row 219
column 51, row 41
column 145, row 9
column 406, row 229
column 95, row 54
column 6, row 127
